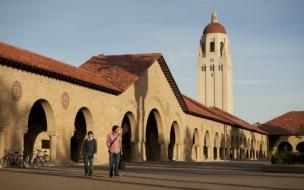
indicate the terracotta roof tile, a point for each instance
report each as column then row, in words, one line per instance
column 218, row 115
column 286, row 124
column 214, row 28
column 236, row 120
column 201, row 110
column 120, row 70
column 44, row 64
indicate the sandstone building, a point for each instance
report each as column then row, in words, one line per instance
column 48, row 104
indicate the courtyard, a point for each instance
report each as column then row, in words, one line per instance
column 156, row 175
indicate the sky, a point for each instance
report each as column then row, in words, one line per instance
column 266, row 40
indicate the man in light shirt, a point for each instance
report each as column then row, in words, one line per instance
column 114, row 148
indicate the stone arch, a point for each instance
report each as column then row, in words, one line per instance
column 174, row 142
column 195, row 144
column 41, row 123
column 300, row 147
column 216, row 146
column 128, row 125
column 82, row 124
column 207, row 145
column 284, row 147
column 154, row 136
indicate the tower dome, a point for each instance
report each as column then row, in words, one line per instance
column 214, row 26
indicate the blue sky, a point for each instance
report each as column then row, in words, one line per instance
column 266, row 41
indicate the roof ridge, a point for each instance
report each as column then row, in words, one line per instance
column 37, row 54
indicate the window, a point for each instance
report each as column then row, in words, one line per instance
column 212, row 47
column 204, row 68
column 211, row 67
column 45, row 144
column 222, row 48
column 203, row 48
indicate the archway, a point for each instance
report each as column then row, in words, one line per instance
column 216, row 150
column 127, row 135
column 171, row 144
column 195, row 145
column 206, row 145
column 152, row 137
column 300, row 147
column 39, row 121
column 284, row 147
column 82, row 124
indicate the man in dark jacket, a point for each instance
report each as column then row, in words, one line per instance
column 89, row 148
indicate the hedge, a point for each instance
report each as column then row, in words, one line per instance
column 288, row 158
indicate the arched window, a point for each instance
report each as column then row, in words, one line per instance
column 204, row 68
column 222, row 48
column 212, row 47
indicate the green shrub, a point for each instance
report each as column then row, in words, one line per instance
column 288, row 158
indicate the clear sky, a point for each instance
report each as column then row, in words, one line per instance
column 266, row 41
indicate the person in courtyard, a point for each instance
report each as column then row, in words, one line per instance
column 89, row 148
column 114, row 141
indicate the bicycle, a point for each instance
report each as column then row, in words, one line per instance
column 34, row 159
column 11, row 159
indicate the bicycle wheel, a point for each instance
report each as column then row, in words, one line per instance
column 37, row 162
column 5, row 162
column 27, row 161
column 19, row 161
column 45, row 161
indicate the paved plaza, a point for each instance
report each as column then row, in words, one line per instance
column 155, row 175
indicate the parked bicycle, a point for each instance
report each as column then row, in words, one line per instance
column 11, row 159
column 36, row 159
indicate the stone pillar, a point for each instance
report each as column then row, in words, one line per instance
column 234, row 154
column 2, row 146
column 143, row 151
column 53, row 148
column 137, row 152
column 218, row 154
column 164, row 151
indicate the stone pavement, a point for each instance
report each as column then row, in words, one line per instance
column 230, row 175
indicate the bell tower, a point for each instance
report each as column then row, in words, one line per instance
column 214, row 67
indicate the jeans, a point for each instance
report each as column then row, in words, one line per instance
column 88, row 164
column 114, row 163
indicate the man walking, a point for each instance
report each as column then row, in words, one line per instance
column 114, row 148
column 89, row 148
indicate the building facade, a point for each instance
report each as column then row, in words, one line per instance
column 286, row 132
column 51, row 105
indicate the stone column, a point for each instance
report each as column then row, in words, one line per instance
column 2, row 147
column 218, row 154
column 164, row 151
column 234, row 154
column 53, row 148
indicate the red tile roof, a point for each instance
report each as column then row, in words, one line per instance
column 121, row 70
column 28, row 60
column 214, row 28
column 216, row 114
column 201, row 110
column 236, row 120
column 286, row 124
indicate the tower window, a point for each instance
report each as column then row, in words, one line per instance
column 212, row 47
column 222, row 48
column 204, row 68
column 211, row 67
